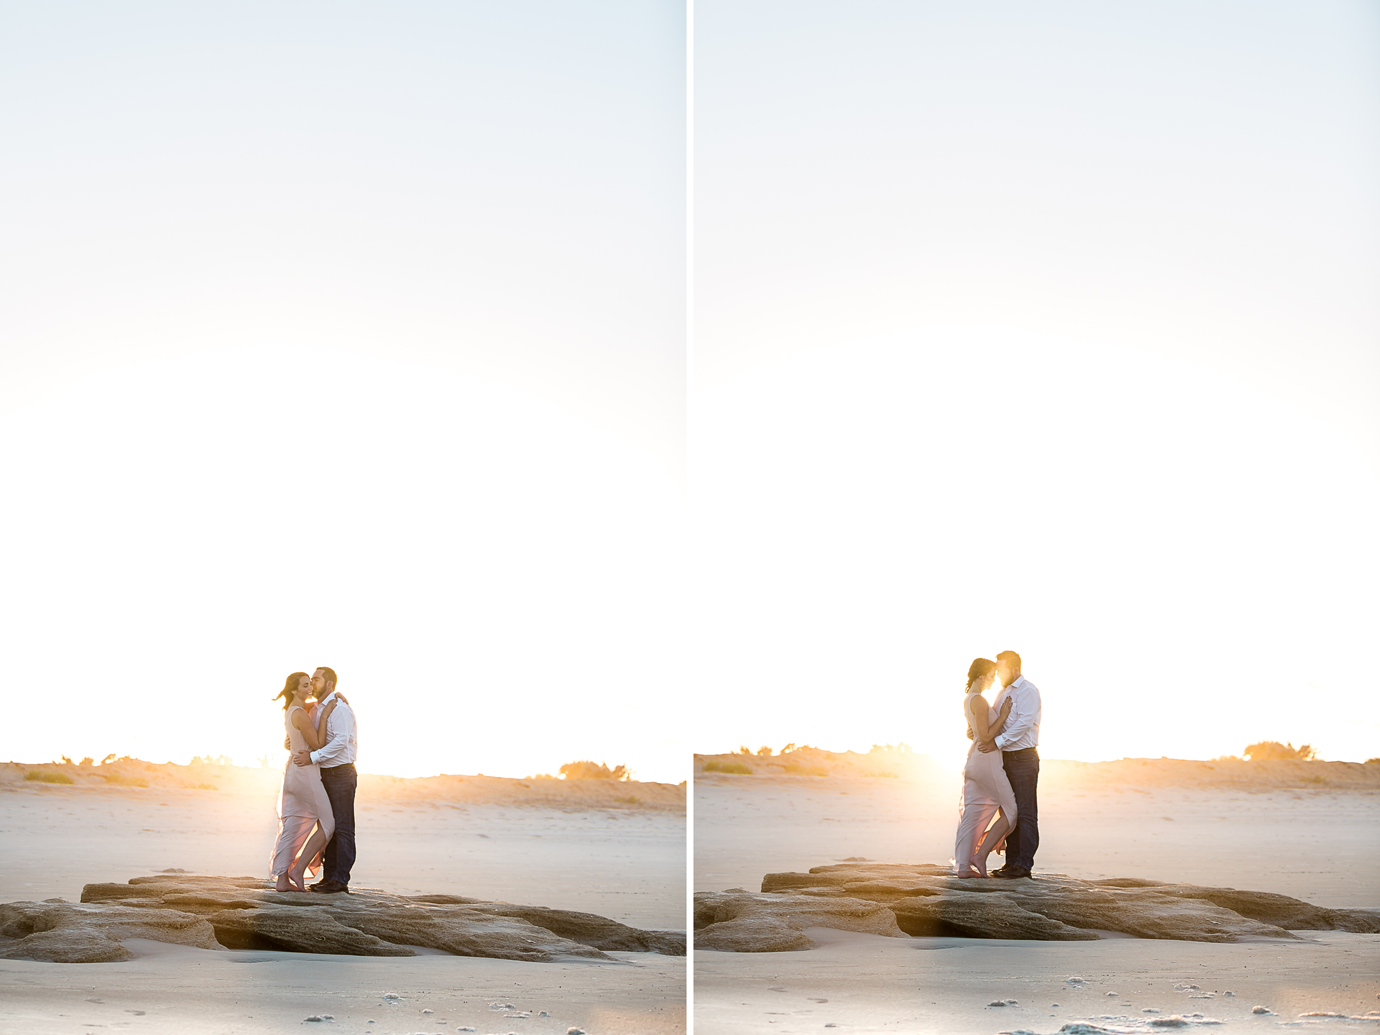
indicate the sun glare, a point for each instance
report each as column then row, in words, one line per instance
column 467, row 557
column 1176, row 558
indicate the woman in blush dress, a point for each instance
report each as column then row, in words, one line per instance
column 305, row 820
column 986, row 790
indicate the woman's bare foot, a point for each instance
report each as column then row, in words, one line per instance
column 297, row 879
column 283, row 883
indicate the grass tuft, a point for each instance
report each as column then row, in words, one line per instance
column 121, row 780
column 714, row 765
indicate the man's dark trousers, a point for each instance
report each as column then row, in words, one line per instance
column 340, row 782
column 1023, row 770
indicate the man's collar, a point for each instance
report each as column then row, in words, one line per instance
column 1013, row 682
column 325, row 699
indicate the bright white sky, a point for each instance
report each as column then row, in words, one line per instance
column 1039, row 327
column 347, row 336
column 355, row 336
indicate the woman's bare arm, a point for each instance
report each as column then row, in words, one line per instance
column 979, row 709
column 1000, row 724
column 313, row 733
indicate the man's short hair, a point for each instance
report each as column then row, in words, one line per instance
column 329, row 673
column 1012, row 658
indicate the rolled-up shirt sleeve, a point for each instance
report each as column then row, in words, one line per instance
column 1020, row 720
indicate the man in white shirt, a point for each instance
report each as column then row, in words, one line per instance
column 1018, row 743
column 337, row 760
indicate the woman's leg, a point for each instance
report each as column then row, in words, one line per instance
column 292, row 832
column 991, row 841
column 309, row 852
column 976, row 816
column 1006, row 821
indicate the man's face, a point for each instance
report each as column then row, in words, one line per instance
column 1004, row 672
column 318, row 684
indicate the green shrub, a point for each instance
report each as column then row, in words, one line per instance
column 715, row 766
column 40, row 775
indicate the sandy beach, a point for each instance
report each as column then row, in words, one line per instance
column 616, row 849
column 1311, row 833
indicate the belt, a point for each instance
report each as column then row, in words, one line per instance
column 337, row 768
column 1022, row 751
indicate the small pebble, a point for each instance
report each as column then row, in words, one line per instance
column 428, row 1011
column 574, row 1031
column 1114, row 993
column 1261, row 1009
column 1229, row 993
column 1149, row 1009
column 1075, row 981
column 543, row 1014
column 313, row 1017
column 996, row 1002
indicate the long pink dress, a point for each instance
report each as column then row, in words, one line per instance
column 302, row 805
column 985, row 790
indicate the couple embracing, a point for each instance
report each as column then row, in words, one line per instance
column 316, row 807
column 1002, row 770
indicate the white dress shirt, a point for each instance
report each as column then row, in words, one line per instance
column 341, row 747
column 1023, row 724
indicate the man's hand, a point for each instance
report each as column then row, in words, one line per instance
column 287, row 743
column 986, row 745
column 302, row 758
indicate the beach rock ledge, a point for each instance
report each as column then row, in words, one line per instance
column 926, row 900
column 244, row 913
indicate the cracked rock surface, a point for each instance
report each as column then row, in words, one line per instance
column 927, row 900
column 245, row 913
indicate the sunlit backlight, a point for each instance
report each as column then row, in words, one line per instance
column 495, row 581
column 1181, row 562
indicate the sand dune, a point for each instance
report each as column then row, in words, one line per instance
column 132, row 775
column 816, row 763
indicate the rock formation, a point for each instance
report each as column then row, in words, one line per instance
column 245, row 913
column 926, row 900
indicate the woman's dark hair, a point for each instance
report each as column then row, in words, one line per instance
column 978, row 672
column 290, row 688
